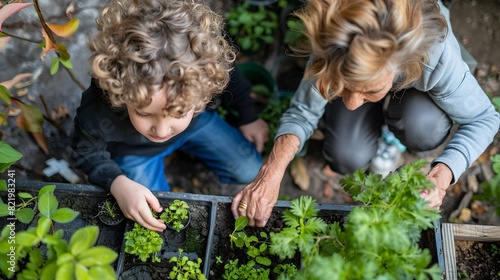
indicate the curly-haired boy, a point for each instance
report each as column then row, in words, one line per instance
column 156, row 64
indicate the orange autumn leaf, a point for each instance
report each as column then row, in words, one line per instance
column 65, row 30
column 31, row 118
column 49, row 45
column 41, row 141
column 10, row 9
column 10, row 83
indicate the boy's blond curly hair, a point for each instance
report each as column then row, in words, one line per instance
column 360, row 41
column 142, row 45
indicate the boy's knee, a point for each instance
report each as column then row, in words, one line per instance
column 242, row 173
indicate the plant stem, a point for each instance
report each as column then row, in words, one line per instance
column 53, row 40
column 20, row 38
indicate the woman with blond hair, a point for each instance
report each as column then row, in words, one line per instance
column 376, row 62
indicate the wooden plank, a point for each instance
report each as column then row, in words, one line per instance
column 476, row 232
column 450, row 261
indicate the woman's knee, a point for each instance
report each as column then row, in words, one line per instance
column 349, row 159
column 417, row 121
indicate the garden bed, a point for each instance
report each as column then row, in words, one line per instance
column 471, row 251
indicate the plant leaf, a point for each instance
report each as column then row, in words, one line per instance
column 11, row 9
column 47, row 204
column 99, row 255
column 10, row 83
column 25, row 215
column 65, row 30
column 64, row 215
column 5, row 94
column 48, row 46
column 31, row 118
column 54, row 66
column 8, row 156
column 83, row 239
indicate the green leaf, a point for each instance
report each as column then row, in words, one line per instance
column 8, row 156
column 240, row 223
column 102, row 273
column 81, row 272
column 26, row 239
column 43, row 227
column 83, row 239
column 65, row 271
column 47, row 204
column 49, row 271
column 54, row 66
column 66, row 63
column 64, row 215
column 24, row 195
column 25, row 215
column 5, row 94
column 47, row 189
column 4, row 209
column 99, row 255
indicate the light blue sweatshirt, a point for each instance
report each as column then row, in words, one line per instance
column 448, row 81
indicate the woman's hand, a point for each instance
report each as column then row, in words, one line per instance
column 134, row 200
column 256, row 200
column 441, row 176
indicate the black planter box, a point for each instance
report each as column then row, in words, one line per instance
column 219, row 210
column 213, row 231
column 81, row 198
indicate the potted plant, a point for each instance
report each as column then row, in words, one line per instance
column 22, row 256
column 176, row 215
column 180, row 248
column 109, row 212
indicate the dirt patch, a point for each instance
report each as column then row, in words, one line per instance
column 477, row 260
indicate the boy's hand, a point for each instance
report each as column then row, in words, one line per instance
column 256, row 132
column 134, row 200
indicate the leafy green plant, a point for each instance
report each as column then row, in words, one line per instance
column 256, row 248
column 59, row 260
column 143, row 243
column 252, row 26
column 377, row 241
column 176, row 214
column 185, row 269
column 491, row 189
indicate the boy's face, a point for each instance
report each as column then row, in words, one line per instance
column 154, row 123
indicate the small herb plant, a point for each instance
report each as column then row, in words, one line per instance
column 109, row 212
column 78, row 259
column 176, row 215
column 143, row 243
column 377, row 241
column 252, row 26
column 256, row 248
column 186, row 269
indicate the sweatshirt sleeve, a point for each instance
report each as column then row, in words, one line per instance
column 237, row 96
column 90, row 154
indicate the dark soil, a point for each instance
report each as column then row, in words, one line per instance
column 477, row 260
column 226, row 251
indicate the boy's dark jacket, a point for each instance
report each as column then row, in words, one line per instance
column 102, row 132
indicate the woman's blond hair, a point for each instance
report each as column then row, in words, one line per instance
column 142, row 45
column 360, row 41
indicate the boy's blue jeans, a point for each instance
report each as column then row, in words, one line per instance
column 220, row 146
